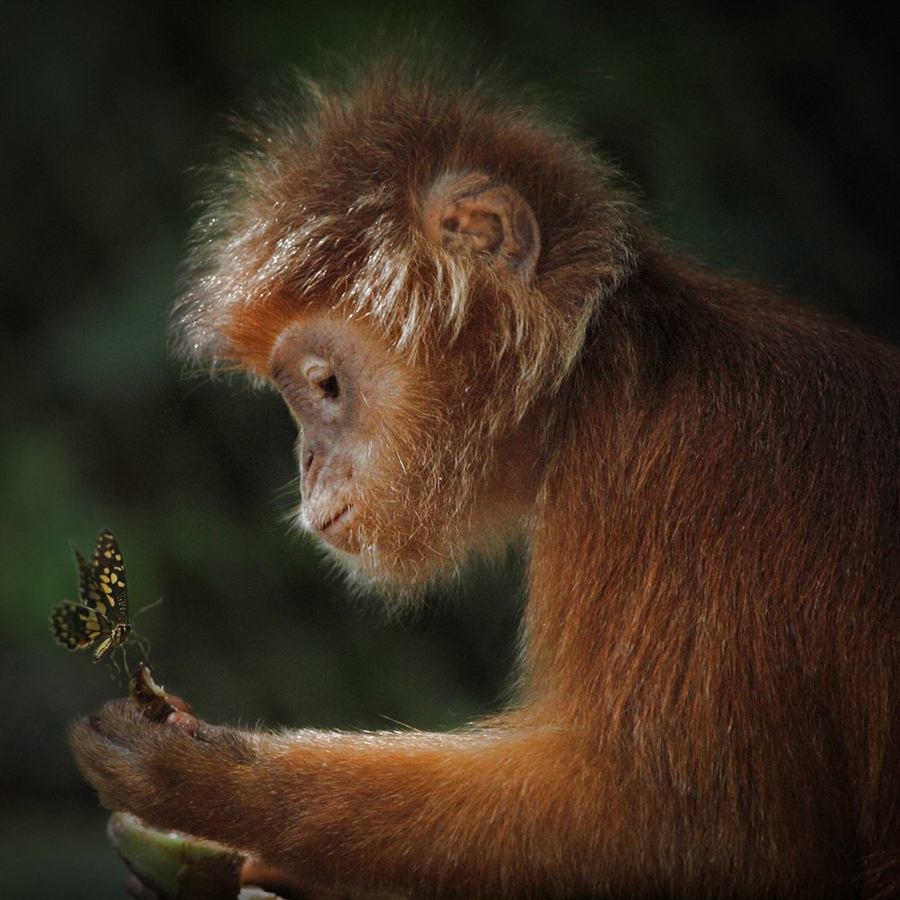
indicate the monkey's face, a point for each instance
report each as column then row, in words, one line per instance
column 339, row 386
column 391, row 467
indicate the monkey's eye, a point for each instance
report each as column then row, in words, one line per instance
column 329, row 387
column 325, row 380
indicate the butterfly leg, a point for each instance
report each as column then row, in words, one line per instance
column 144, row 644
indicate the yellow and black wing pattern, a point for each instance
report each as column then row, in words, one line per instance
column 101, row 618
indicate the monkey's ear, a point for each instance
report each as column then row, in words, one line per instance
column 470, row 212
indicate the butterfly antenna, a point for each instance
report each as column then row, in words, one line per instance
column 144, row 609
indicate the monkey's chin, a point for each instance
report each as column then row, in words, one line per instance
column 365, row 578
column 345, row 560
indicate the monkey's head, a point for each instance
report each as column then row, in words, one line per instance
column 414, row 269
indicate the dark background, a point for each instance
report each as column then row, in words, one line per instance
column 765, row 141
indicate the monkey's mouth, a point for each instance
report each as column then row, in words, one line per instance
column 337, row 523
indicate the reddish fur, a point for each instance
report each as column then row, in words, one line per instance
column 711, row 659
column 256, row 332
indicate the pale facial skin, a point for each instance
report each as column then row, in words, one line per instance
column 333, row 379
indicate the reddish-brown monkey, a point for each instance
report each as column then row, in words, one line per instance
column 479, row 338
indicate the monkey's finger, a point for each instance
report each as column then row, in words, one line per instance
column 92, row 738
column 118, row 717
column 179, row 703
column 107, row 765
column 116, row 730
column 184, row 720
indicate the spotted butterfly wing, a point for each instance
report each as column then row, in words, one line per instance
column 77, row 626
column 102, row 616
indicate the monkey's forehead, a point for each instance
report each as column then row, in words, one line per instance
column 326, row 209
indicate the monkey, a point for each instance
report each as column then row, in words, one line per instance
column 482, row 340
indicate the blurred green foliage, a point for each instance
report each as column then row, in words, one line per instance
column 761, row 139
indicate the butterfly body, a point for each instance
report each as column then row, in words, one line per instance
column 101, row 617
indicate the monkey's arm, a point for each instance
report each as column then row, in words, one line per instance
column 477, row 813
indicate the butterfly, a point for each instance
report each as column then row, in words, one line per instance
column 102, row 616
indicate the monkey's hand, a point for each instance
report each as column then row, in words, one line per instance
column 406, row 811
column 180, row 773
